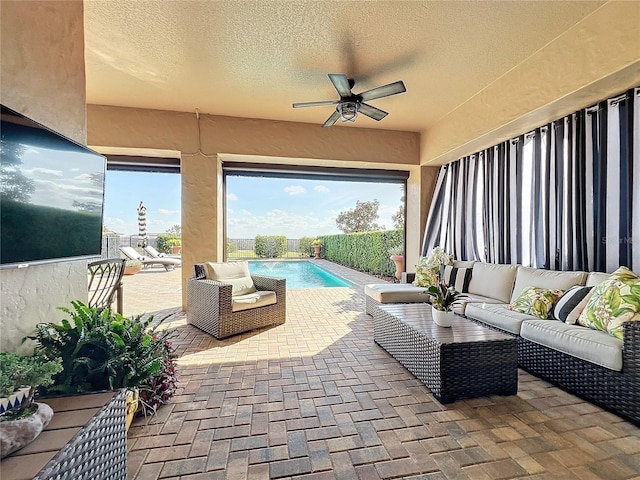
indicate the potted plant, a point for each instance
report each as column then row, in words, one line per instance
column 397, row 255
column 175, row 244
column 131, row 267
column 443, row 299
column 317, row 247
column 22, row 419
column 103, row 350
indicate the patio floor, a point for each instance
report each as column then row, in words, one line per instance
column 316, row 398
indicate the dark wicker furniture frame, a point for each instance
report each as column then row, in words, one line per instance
column 463, row 361
column 617, row 392
column 105, row 283
column 209, row 305
column 98, row 451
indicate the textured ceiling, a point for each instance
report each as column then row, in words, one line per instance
column 254, row 59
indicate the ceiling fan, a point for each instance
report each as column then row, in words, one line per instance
column 350, row 104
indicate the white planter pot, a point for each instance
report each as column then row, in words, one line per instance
column 15, row 434
column 444, row 319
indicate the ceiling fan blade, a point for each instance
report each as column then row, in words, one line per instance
column 332, row 119
column 315, row 104
column 372, row 112
column 341, row 82
column 384, row 91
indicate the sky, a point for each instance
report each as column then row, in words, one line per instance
column 255, row 206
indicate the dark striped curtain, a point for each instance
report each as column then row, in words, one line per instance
column 563, row 197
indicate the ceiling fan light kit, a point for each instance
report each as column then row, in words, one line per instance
column 350, row 104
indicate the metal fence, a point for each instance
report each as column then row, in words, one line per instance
column 238, row 248
column 246, row 248
column 111, row 244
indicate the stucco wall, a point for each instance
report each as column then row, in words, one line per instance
column 281, row 142
column 42, row 76
column 597, row 58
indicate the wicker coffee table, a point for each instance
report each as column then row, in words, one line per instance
column 463, row 361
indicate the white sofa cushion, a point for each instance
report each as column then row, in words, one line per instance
column 547, row 279
column 396, row 293
column 499, row 316
column 235, row 273
column 259, row 298
column 596, row 278
column 581, row 342
column 493, row 280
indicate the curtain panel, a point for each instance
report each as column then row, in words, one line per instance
column 565, row 196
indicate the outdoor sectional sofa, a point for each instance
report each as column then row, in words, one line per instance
column 592, row 364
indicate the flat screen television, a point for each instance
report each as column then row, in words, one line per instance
column 51, row 195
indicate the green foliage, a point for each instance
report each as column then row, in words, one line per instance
column 305, row 246
column 175, row 230
column 132, row 263
column 21, row 371
column 100, row 350
column 271, row 246
column 165, row 241
column 443, row 298
column 367, row 252
column 361, row 218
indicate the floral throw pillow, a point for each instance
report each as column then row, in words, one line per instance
column 613, row 302
column 536, row 301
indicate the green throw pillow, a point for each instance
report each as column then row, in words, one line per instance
column 614, row 301
column 536, row 301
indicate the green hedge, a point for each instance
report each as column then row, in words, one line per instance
column 366, row 251
column 271, row 246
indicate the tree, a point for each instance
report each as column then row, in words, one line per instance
column 175, row 230
column 361, row 218
column 398, row 217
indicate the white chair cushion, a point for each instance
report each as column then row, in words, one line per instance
column 596, row 278
column 259, row 298
column 493, row 280
column 498, row 315
column 591, row 345
column 235, row 273
column 396, row 293
column 547, row 279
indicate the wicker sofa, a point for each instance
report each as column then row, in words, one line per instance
column 212, row 308
column 591, row 364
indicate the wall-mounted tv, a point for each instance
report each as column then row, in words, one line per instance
column 51, row 194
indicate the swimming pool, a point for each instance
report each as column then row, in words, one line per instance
column 299, row 274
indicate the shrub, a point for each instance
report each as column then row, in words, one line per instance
column 165, row 240
column 270, row 246
column 101, row 350
column 26, row 371
column 159, row 390
column 305, row 246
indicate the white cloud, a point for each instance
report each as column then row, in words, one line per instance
column 321, row 189
column 232, row 196
column 164, row 211
column 295, row 190
column 278, row 222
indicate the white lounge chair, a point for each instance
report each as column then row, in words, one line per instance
column 153, row 253
column 167, row 263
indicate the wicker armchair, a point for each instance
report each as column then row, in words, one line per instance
column 209, row 305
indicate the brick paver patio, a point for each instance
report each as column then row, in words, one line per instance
column 316, row 398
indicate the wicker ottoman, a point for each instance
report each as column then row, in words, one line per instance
column 464, row 361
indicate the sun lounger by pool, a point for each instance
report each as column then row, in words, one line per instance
column 167, row 263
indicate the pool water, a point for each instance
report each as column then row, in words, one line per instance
column 300, row 274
